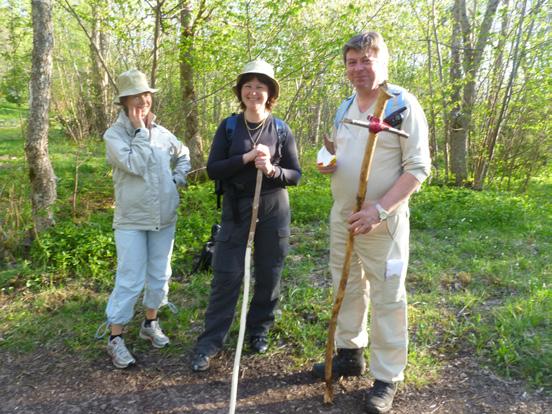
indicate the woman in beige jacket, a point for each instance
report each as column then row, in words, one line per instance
column 148, row 164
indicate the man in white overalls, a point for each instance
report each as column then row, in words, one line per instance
column 381, row 228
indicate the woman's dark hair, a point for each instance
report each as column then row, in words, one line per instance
column 271, row 101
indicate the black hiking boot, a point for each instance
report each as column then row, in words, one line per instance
column 380, row 397
column 258, row 344
column 347, row 363
column 200, row 362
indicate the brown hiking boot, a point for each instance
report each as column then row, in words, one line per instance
column 347, row 363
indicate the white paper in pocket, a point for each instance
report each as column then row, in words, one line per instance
column 394, row 268
column 324, row 158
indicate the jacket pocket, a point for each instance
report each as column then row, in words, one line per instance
column 283, row 242
column 229, row 251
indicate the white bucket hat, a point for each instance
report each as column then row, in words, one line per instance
column 263, row 68
column 132, row 82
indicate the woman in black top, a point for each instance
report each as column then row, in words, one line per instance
column 253, row 140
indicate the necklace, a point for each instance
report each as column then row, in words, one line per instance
column 249, row 130
column 257, row 127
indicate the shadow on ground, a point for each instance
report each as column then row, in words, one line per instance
column 56, row 382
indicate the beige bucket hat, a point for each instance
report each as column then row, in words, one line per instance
column 263, row 68
column 132, row 82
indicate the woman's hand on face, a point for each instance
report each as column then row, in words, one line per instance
column 135, row 116
column 149, row 120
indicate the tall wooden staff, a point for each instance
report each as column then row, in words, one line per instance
column 382, row 98
column 245, row 297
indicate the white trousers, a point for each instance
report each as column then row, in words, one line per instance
column 143, row 263
column 377, row 275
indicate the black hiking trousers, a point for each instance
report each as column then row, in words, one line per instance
column 271, row 245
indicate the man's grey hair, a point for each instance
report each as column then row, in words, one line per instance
column 366, row 41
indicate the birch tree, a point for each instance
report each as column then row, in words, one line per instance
column 41, row 172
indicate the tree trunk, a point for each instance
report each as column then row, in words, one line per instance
column 497, row 77
column 190, row 127
column 156, row 39
column 99, row 78
column 473, row 54
column 458, row 141
column 41, row 173
column 492, row 137
column 446, row 138
column 432, row 117
column 317, row 123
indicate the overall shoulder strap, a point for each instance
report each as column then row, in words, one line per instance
column 342, row 110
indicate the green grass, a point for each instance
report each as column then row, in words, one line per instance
column 479, row 277
column 11, row 115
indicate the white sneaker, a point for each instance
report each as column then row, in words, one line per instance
column 120, row 355
column 154, row 334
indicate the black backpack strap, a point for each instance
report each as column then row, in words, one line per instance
column 281, row 131
column 231, row 126
column 395, row 118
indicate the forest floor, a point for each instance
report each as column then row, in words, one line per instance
column 51, row 381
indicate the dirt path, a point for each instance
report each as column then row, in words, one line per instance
column 54, row 382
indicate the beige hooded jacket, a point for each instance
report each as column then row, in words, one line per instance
column 148, row 165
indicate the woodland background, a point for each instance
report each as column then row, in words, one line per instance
column 480, row 273
column 481, row 69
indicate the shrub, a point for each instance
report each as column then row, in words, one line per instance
column 80, row 251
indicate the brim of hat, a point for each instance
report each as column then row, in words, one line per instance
column 276, row 84
column 130, row 92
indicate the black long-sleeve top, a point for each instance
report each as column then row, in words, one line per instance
column 225, row 158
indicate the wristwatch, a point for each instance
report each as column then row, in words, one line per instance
column 383, row 213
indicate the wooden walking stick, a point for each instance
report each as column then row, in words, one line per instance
column 245, row 297
column 382, row 98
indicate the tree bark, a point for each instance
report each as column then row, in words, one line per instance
column 497, row 76
column 446, row 140
column 41, row 172
column 432, row 133
column 71, row 10
column 318, row 119
column 99, row 78
column 492, row 137
column 458, row 142
column 157, row 10
column 461, row 116
column 190, row 128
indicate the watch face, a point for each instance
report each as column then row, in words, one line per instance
column 381, row 212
